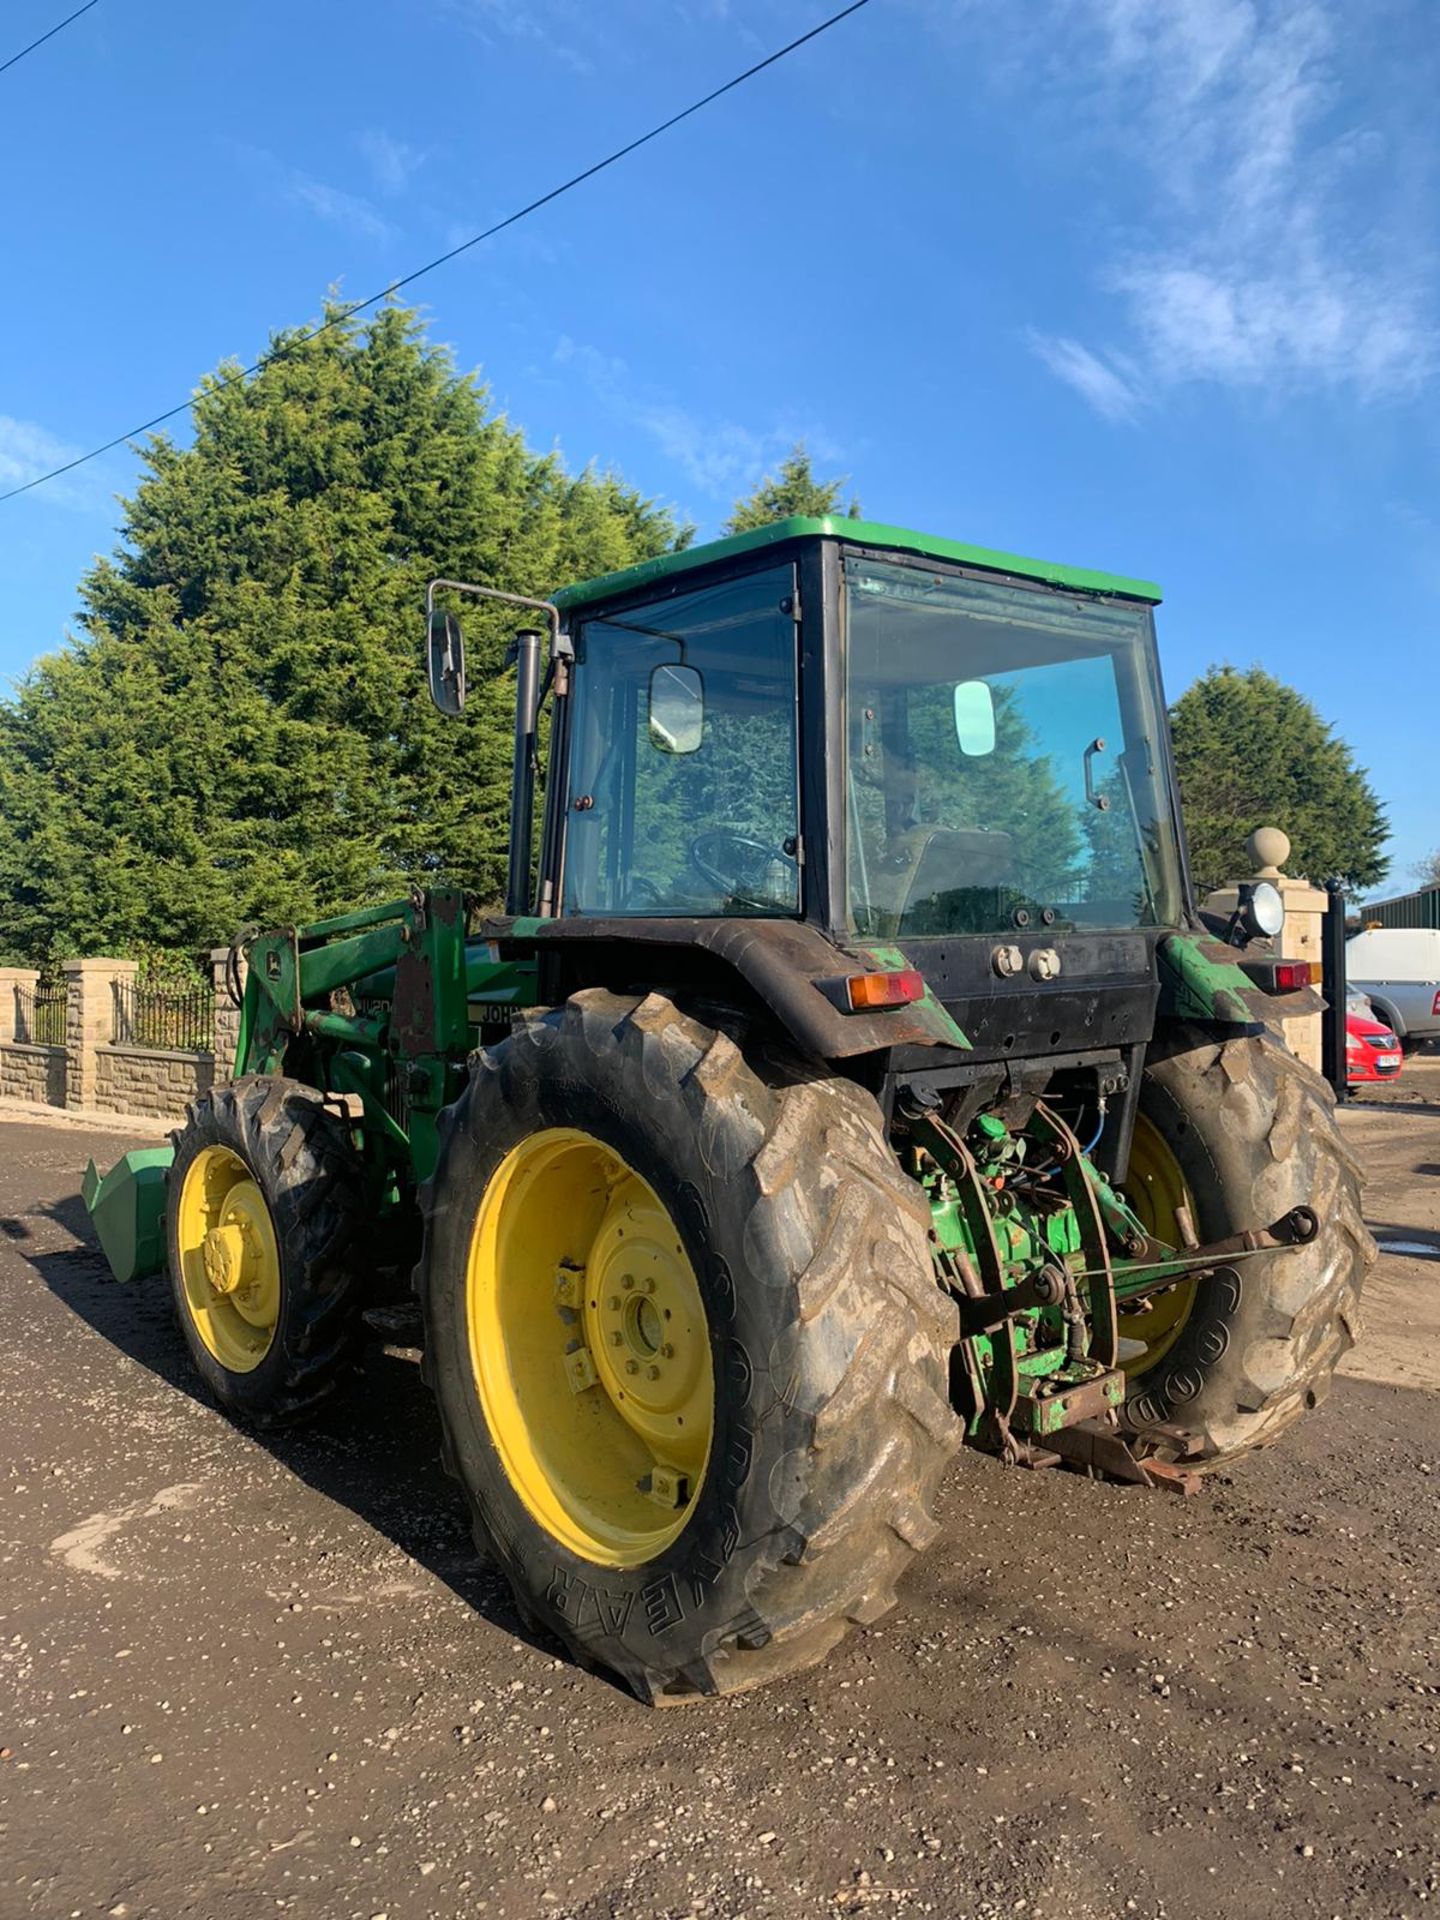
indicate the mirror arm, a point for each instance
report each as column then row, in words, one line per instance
column 559, row 644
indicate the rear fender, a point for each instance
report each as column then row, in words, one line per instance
column 789, row 966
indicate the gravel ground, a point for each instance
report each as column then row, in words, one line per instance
column 246, row 1677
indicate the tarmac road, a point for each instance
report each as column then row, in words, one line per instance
column 246, row 1677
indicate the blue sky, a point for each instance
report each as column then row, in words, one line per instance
column 1147, row 285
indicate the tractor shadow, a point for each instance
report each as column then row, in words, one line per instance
column 374, row 1450
column 1392, row 1236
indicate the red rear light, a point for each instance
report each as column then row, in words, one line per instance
column 1291, row 975
column 1435, row 1005
column 867, row 990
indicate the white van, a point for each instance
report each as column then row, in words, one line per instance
column 1399, row 969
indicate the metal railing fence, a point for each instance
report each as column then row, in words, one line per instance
column 174, row 1019
column 40, row 1016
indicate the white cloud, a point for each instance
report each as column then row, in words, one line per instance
column 1309, row 322
column 613, row 38
column 347, row 210
column 1275, row 248
column 562, row 24
column 720, row 458
column 27, row 450
column 1108, row 391
column 393, row 163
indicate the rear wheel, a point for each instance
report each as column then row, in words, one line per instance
column 689, row 1354
column 1239, row 1132
column 266, row 1203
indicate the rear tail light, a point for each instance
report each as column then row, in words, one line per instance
column 865, row 991
column 1291, row 975
column 1435, row 1006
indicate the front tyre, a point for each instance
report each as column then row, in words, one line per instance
column 266, row 1205
column 686, row 1342
column 1240, row 1131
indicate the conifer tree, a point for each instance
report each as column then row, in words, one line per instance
column 794, row 490
column 1251, row 752
column 240, row 729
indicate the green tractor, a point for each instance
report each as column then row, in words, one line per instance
column 851, row 1077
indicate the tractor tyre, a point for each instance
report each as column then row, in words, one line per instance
column 1240, row 1131
column 267, row 1202
column 689, row 1351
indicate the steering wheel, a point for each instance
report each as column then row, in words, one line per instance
column 727, row 882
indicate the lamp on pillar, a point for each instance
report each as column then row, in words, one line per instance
column 1300, row 938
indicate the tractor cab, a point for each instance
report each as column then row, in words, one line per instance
column 983, row 740
column 828, row 749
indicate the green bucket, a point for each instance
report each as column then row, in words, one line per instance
column 127, row 1206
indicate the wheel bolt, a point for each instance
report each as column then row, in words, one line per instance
column 627, row 1280
column 616, row 1338
column 632, row 1366
column 613, row 1303
column 647, row 1285
column 652, row 1373
column 667, row 1352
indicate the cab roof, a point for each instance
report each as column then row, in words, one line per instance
column 863, row 533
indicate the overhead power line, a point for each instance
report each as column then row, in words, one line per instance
column 61, row 24
column 408, row 279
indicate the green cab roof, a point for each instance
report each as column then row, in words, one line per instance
column 864, row 533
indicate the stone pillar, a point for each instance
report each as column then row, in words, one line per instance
column 89, row 1021
column 12, row 981
column 227, row 1015
column 1300, row 937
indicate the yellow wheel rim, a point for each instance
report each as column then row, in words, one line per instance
column 229, row 1259
column 590, row 1347
column 1155, row 1188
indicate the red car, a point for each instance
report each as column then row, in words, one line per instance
column 1371, row 1050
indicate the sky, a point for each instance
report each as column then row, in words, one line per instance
column 1142, row 285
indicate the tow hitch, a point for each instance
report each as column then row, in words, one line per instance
column 1034, row 1400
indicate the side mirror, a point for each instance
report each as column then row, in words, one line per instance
column 677, row 709
column 974, row 719
column 446, row 661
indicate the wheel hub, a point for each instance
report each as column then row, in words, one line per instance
column 639, row 1321
column 223, row 1250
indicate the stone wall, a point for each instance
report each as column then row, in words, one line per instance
column 90, row 1072
column 146, row 1080
column 32, row 1073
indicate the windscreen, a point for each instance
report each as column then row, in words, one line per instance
column 1004, row 758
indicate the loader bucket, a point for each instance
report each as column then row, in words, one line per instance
column 127, row 1206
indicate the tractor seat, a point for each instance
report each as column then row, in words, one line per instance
column 926, row 862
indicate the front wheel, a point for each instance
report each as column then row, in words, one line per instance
column 688, row 1350
column 1239, row 1131
column 266, row 1206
